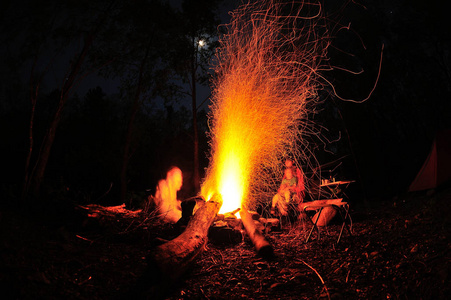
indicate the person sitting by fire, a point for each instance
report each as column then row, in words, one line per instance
column 284, row 194
column 165, row 199
column 300, row 186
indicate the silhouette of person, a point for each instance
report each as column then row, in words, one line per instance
column 168, row 206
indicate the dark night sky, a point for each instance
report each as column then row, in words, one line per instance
column 110, row 86
column 393, row 130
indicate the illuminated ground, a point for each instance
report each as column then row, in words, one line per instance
column 396, row 252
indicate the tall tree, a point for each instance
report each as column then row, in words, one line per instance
column 148, row 30
column 200, row 20
column 52, row 31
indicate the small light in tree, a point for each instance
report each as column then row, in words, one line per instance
column 202, row 43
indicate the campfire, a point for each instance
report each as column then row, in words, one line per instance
column 267, row 76
column 266, row 79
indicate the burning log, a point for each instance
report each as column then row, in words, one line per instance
column 170, row 260
column 225, row 233
column 226, row 229
column 262, row 246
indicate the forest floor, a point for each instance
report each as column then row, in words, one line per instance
column 399, row 249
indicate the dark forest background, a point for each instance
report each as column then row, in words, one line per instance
column 111, row 91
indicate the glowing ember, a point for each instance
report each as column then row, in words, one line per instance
column 266, row 74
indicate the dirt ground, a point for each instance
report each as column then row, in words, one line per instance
column 399, row 249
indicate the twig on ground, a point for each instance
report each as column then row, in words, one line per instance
column 327, row 291
column 347, row 276
column 83, row 238
column 136, row 227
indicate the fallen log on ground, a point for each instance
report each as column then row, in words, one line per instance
column 262, row 246
column 170, row 260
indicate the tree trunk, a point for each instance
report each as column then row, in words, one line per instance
column 130, row 127
column 196, row 175
column 170, row 260
column 262, row 246
column 50, row 136
column 34, row 92
column 74, row 73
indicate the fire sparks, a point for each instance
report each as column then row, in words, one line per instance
column 266, row 75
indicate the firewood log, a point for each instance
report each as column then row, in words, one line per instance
column 262, row 246
column 172, row 259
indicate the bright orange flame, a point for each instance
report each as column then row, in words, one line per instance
column 230, row 186
column 229, row 172
column 266, row 74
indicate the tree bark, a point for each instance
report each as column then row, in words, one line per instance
column 170, row 260
column 262, row 246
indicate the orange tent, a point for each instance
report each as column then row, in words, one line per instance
column 437, row 167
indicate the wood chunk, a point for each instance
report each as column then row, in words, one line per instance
column 170, row 260
column 272, row 224
column 224, row 235
column 262, row 246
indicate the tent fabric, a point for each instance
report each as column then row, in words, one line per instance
column 436, row 169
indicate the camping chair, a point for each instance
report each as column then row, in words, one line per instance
column 328, row 205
